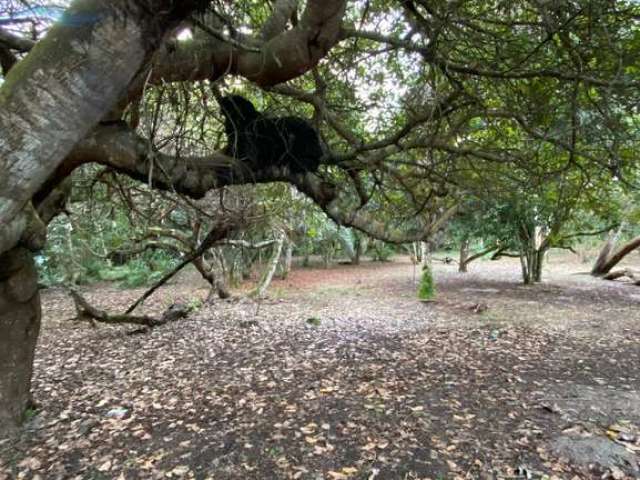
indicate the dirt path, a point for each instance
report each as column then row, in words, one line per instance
column 342, row 374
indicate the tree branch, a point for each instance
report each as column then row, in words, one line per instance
column 86, row 311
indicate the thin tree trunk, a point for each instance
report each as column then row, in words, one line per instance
column 204, row 270
column 526, row 273
column 286, row 260
column 215, row 279
column 271, row 269
column 538, row 256
column 417, row 251
column 464, row 255
column 425, row 252
column 19, row 328
column 358, row 250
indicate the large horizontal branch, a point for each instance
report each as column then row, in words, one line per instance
column 276, row 59
column 126, row 152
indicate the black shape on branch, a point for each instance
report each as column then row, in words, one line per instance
column 261, row 142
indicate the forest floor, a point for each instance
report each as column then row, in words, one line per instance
column 342, row 374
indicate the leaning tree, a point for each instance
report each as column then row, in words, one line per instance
column 406, row 94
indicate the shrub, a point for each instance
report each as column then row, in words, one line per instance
column 381, row 252
column 426, row 289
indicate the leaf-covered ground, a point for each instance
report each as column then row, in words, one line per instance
column 342, row 374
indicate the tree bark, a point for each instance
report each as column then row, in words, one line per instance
column 286, row 260
column 606, row 260
column 86, row 311
column 360, row 245
column 605, row 251
column 271, row 269
column 415, row 253
column 539, row 255
column 66, row 84
column 19, row 328
column 532, row 261
column 425, row 254
column 464, row 255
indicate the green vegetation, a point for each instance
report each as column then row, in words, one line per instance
column 426, row 288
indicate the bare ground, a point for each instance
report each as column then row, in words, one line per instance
column 341, row 373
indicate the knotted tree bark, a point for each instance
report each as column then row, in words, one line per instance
column 19, row 328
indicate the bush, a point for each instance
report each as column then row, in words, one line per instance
column 139, row 271
column 381, row 252
column 426, row 289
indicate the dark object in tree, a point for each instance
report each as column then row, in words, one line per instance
column 261, row 142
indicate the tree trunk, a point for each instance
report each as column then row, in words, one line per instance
column 205, row 270
column 526, row 273
column 286, row 260
column 538, row 263
column 606, row 260
column 532, row 261
column 19, row 328
column 358, row 252
column 464, row 256
column 605, row 251
column 425, row 253
column 271, row 269
column 360, row 243
column 66, row 84
column 345, row 238
column 533, row 248
column 215, row 279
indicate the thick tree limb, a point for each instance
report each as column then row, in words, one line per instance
column 128, row 153
column 616, row 257
column 67, row 83
column 283, row 10
column 278, row 59
column 480, row 254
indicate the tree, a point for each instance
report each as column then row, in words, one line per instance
column 610, row 253
column 88, row 64
column 407, row 97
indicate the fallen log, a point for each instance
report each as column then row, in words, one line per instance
column 630, row 274
column 86, row 311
